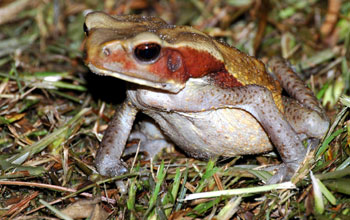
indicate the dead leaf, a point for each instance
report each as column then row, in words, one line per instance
column 86, row 209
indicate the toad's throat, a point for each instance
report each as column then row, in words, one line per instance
column 168, row 86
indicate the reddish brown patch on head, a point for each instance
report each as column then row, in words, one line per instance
column 183, row 63
column 200, row 63
column 178, row 64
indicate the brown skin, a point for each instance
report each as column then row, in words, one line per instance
column 209, row 98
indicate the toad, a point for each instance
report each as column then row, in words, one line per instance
column 207, row 97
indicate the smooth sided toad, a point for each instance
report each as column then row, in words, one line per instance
column 209, row 98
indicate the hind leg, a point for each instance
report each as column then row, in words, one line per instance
column 302, row 109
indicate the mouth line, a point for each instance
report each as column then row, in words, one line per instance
column 163, row 86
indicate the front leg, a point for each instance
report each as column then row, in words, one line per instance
column 108, row 159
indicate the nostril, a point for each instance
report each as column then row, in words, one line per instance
column 106, row 51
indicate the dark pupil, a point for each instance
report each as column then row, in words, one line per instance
column 147, row 52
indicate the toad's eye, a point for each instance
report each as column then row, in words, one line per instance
column 148, row 52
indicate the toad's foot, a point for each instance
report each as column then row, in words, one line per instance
column 112, row 167
column 287, row 170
